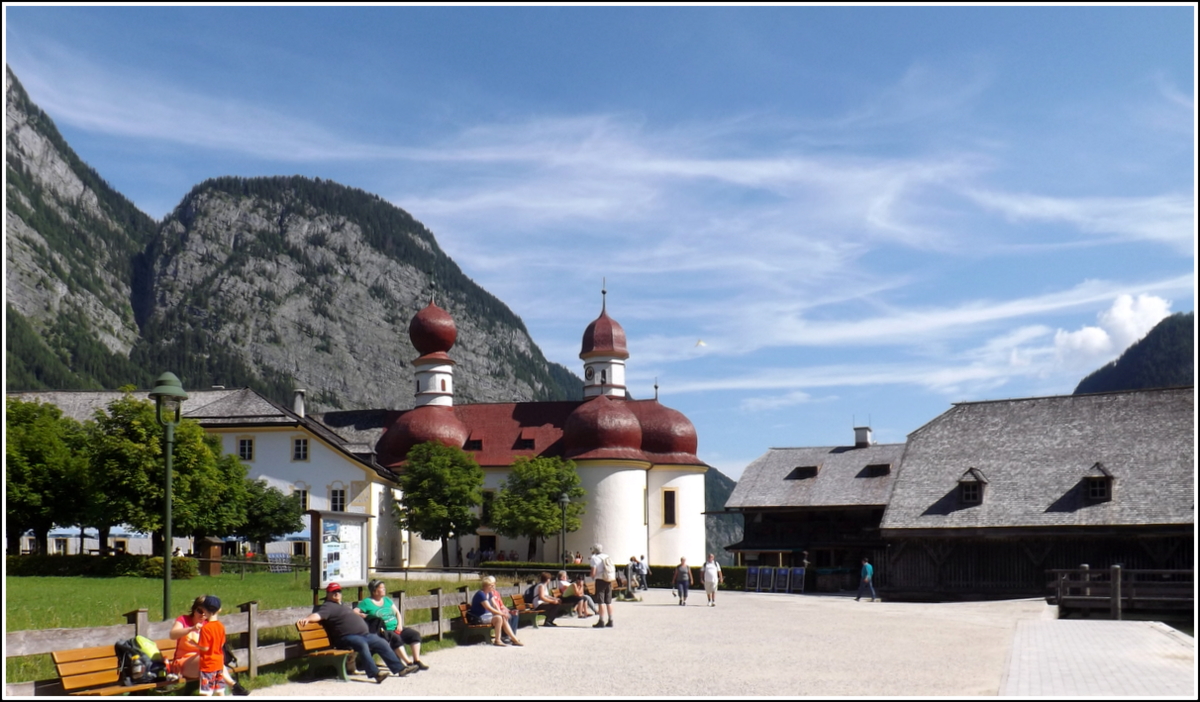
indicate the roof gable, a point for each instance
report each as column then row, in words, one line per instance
column 825, row 476
column 1036, row 454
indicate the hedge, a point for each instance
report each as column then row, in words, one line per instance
column 125, row 565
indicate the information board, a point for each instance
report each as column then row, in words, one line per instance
column 339, row 548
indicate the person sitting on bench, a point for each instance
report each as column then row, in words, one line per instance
column 346, row 629
column 547, row 603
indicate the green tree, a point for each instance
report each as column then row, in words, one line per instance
column 441, row 488
column 45, row 466
column 208, row 487
column 528, row 501
column 270, row 514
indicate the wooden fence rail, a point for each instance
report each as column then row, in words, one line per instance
column 243, row 628
column 1117, row 590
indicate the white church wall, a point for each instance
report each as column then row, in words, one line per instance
column 686, row 538
column 615, row 515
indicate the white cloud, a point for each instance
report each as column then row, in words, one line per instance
column 772, row 403
column 1168, row 218
column 1128, row 320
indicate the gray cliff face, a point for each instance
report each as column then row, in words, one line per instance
column 295, row 290
column 274, row 283
column 47, row 277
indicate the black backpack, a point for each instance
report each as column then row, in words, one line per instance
column 138, row 664
column 529, row 594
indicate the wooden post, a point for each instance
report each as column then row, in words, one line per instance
column 437, row 612
column 400, row 604
column 250, row 638
column 1115, row 597
column 140, row 621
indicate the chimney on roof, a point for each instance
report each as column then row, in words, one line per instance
column 298, row 402
column 862, row 437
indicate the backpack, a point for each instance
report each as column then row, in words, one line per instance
column 140, row 661
column 530, row 592
column 610, row 570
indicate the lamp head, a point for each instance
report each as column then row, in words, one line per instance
column 168, row 394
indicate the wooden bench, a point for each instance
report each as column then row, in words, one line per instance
column 320, row 653
column 468, row 631
column 525, row 611
column 97, row 671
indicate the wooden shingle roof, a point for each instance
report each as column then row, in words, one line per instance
column 1037, row 454
column 842, row 477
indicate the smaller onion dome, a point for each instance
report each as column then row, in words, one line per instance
column 666, row 431
column 432, row 330
column 603, row 428
column 604, row 337
column 416, row 426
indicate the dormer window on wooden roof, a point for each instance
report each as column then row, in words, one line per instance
column 803, row 473
column 971, row 486
column 1098, row 483
column 877, row 470
column 473, row 445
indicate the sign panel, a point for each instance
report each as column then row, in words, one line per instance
column 766, row 579
column 338, row 548
column 781, row 579
column 797, row 580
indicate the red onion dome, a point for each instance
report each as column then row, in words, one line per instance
column 603, row 428
column 665, row 430
column 416, row 426
column 604, row 337
column 432, row 330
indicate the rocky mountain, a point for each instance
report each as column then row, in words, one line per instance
column 721, row 530
column 1165, row 357
column 272, row 283
column 71, row 245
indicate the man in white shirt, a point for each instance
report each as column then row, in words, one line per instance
column 711, row 573
column 604, row 573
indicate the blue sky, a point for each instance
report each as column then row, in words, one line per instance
column 808, row 218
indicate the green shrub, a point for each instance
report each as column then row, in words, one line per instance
column 181, row 568
column 124, row 565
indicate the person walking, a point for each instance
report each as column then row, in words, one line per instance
column 604, row 572
column 680, row 580
column 868, row 575
column 644, row 575
column 711, row 575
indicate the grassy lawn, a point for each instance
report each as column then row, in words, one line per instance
column 75, row 603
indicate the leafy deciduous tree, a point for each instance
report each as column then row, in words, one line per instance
column 208, row 487
column 528, row 501
column 270, row 514
column 45, row 471
column 441, row 488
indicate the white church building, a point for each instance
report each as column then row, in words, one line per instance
column 636, row 458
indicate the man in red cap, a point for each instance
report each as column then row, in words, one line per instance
column 348, row 630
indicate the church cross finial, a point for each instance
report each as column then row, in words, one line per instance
column 656, row 389
column 603, row 294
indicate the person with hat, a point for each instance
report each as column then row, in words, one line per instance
column 346, row 629
column 214, row 677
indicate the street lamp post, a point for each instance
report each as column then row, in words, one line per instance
column 563, row 500
column 168, row 396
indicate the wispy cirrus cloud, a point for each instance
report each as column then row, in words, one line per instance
column 1167, row 218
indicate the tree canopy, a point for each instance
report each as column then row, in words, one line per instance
column 441, row 488
column 528, row 502
column 208, row 487
column 45, row 470
column 270, row 514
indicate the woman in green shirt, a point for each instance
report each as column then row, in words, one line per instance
column 391, row 625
